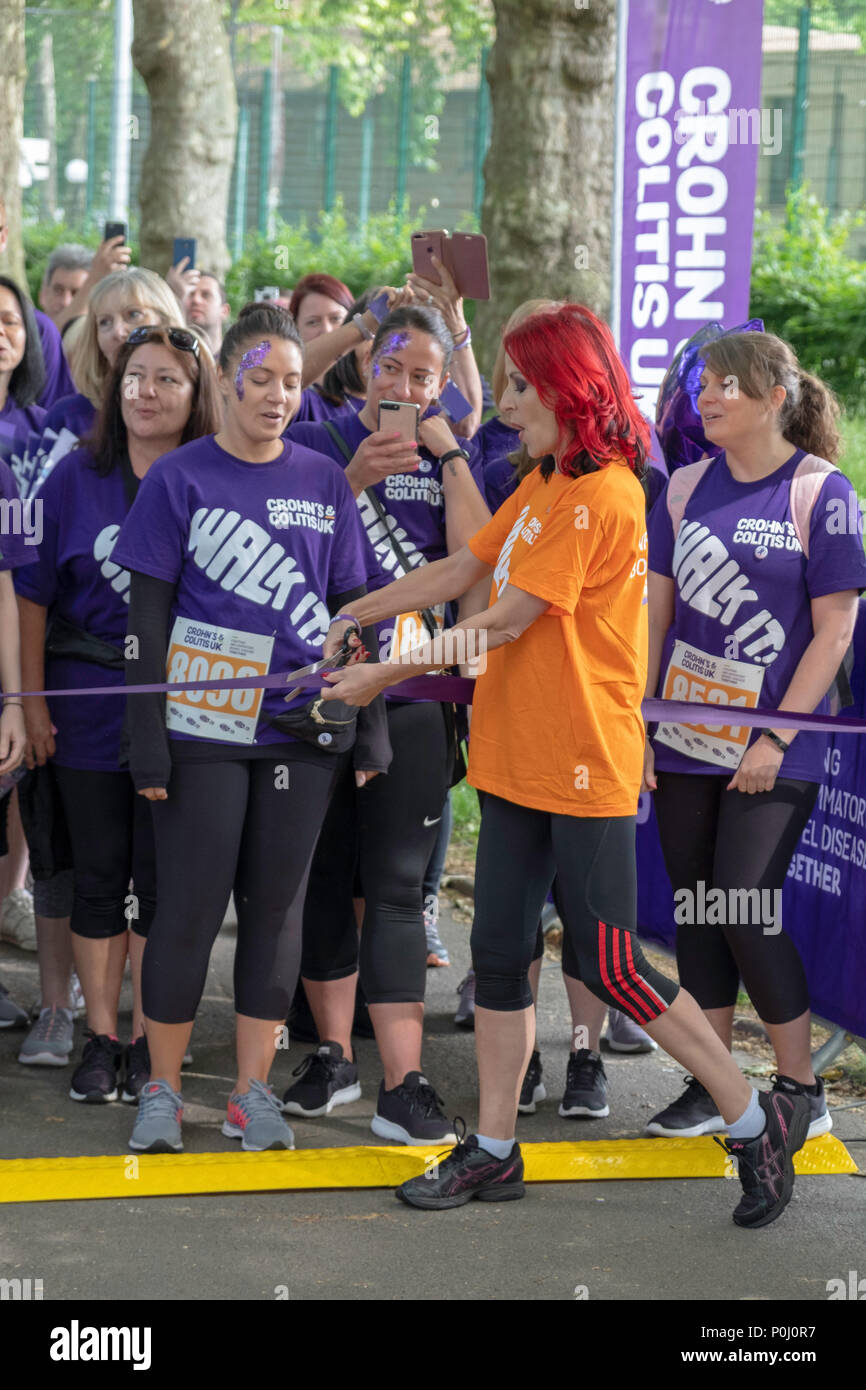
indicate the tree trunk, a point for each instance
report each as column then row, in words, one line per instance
column 12, row 73
column 181, row 50
column 549, row 171
column 48, row 126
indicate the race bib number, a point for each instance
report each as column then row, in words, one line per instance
column 410, row 630
column 715, row 680
column 198, row 651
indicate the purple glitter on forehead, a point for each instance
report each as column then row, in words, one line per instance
column 394, row 343
column 377, row 370
column 253, row 357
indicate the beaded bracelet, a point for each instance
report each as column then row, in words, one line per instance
column 458, row 347
column 346, row 618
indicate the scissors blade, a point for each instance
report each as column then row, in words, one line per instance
column 325, row 663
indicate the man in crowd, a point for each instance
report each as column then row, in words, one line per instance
column 65, row 274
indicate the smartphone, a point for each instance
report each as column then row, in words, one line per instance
column 113, row 229
column 379, row 306
column 402, row 416
column 267, row 292
column 467, row 261
column 424, row 246
column 184, row 246
column 454, row 403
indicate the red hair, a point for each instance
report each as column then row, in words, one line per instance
column 569, row 356
column 320, row 284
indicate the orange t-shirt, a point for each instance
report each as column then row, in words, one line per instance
column 556, row 722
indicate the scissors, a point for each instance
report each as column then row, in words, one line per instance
column 325, row 663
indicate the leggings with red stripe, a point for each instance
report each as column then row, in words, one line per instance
column 520, row 851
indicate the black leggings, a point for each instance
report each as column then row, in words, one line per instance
column 387, row 831
column 730, row 840
column 227, row 826
column 111, row 832
column 519, row 852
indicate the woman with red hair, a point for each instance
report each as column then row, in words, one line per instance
column 557, row 747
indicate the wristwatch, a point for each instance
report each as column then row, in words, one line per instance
column 453, row 454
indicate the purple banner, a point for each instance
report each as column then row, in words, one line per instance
column 690, row 133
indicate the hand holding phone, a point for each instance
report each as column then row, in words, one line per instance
column 184, row 246
column 400, row 416
column 113, row 230
column 379, row 456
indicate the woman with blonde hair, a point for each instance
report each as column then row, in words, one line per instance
column 122, row 301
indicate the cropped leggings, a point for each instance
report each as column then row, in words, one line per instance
column 520, row 850
column 111, row 833
column 713, row 838
column 380, row 838
column 225, row 826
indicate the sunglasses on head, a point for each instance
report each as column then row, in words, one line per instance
column 179, row 338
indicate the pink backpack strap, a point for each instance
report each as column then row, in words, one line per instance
column 681, row 486
column 809, row 477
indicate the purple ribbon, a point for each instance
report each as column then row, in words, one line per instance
column 458, row 690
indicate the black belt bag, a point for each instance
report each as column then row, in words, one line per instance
column 67, row 639
column 330, row 725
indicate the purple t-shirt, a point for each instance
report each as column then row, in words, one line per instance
column 75, row 578
column 19, row 525
column 314, row 407
column 16, row 423
column 413, row 502
column 255, row 548
column 74, row 413
column 742, row 594
column 58, row 378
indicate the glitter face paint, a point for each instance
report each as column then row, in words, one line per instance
column 253, row 357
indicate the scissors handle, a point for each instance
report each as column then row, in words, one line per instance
column 333, row 663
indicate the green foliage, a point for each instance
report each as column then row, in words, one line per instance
column 809, row 291
column 838, row 15
column 378, row 254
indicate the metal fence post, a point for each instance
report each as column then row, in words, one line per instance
column 331, row 139
column 367, row 129
column 91, row 150
column 801, row 96
column 403, row 129
column 265, row 130
column 240, row 208
column 482, row 117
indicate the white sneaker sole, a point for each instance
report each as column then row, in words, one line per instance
column 716, row 1125
column 648, row 1046
column 387, row 1129
column 583, row 1112
column 95, row 1097
column 822, row 1125
column 538, row 1094
column 157, row 1146
column 344, row 1097
column 43, row 1059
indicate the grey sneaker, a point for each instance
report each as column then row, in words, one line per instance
column 11, row 1016
column 256, row 1120
column 49, row 1042
column 437, row 951
column 624, row 1035
column 17, row 923
column 157, row 1128
column 465, row 1015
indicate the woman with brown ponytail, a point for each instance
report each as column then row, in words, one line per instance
column 753, row 592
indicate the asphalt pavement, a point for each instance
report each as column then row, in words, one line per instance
column 595, row 1240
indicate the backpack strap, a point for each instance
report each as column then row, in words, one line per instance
column 680, row 488
column 809, row 477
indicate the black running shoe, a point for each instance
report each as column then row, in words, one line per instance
column 585, row 1087
column 136, row 1060
column 820, row 1119
column 95, row 1078
column 411, row 1113
column 325, row 1079
column 766, row 1164
column 466, row 1172
column 532, row 1089
column 694, row 1112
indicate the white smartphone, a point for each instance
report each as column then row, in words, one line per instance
column 402, row 416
